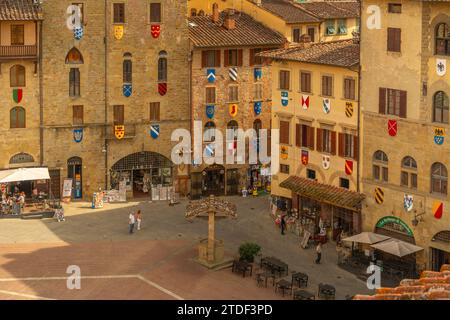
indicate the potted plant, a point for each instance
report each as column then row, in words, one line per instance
column 248, row 251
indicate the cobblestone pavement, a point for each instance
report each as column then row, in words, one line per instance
column 154, row 263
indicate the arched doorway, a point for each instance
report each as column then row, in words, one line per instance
column 440, row 250
column 75, row 172
column 141, row 172
column 395, row 228
column 213, row 180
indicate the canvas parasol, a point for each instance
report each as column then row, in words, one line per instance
column 367, row 238
column 397, row 247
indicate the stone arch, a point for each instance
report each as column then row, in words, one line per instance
column 320, row 176
column 74, row 56
column 340, row 174
column 440, row 18
column 21, row 158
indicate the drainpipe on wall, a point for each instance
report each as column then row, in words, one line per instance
column 105, row 127
column 358, row 169
column 41, row 97
column 191, row 109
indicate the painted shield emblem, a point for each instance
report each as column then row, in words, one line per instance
column 408, row 202
column 284, row 152
column 78, row 33
column 348, row 167
column 349, row 109
column 441, row 67
column 305, row 157
column 284, row 98
column 154, row 131
column 118, row 32
column 326, row 162
column 439, row 134
column 258, row 74
column 211, row 75
column 209, row 150
column 162, row 88
column 127, row 90
column 257, row 108
column 155, row 30
column 438, row 209
column 233, row 110
column 119, row 132
column 392, row 127
column 210, row 111
column 78, row 135
column 305, row 102
column 379, row 195
column 326, row 106
column 17, row 95
column 233, row 72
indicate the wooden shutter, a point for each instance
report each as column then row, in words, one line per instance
column 204, row 59
column 298, row 135
column 341, row 147
column 403, row 104
column 218, row 53
column 226, row 59
column 77, row 115
column 311, row 134
column 394, row 39
column 284, row 132
column 119, row 115
column 382, row 101
column 155, row 111
column 333, row 142
column 251, row 60
column 355, row 148
column 319, row 139
column 155, row 12
column 240, row 58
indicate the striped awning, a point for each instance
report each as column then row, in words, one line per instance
column 312, row 189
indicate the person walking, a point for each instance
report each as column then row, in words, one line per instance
column 138, row 219
column 283, row 224
column 319, row 252
column 131, row 222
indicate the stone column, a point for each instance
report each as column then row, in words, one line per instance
column 211, row 235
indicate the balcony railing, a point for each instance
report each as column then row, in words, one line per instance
column 18, row 51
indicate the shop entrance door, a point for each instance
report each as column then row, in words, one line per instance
column 232, row 182
column 196, row 185
column 74, row 172
column 438, row 258
column 214, row 181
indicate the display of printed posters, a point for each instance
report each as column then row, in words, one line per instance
column 155, row 194
column 67, row 189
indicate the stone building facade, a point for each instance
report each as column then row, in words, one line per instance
column 404, row 100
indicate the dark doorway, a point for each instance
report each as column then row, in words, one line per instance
column 438, row 258
column 196, row 185
column 75, row 172
column 214, row 181
column 232, row 182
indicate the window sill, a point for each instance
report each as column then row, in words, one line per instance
column 326, row 97
column 306, row 93
column 288, row 90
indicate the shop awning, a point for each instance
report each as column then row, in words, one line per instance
column 397, row 247
column 336, row 196
column 367, row 238
column 24, row 174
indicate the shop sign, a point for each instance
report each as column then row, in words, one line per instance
column 394, row 220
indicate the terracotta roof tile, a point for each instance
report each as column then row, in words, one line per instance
column 343, row 53
column 323, row 192
column 287, row 11
column 331, row 9
column 203, row 32
column 19, row 10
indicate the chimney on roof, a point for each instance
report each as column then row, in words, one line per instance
column 215, row 13
column 305, row 40
column 356, row 37
column 230, row 22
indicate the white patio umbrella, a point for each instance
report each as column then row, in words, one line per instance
column 367, row 238
column 397, row 247
column 24, row 174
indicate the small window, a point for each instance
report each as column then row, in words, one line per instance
column 78, row 118
column 211, row 58
column 74, row 82
column 440, row 107
column 439, row 178
column 408, row 175
column 119, row 12
column 193, row 12
column 119, row 115
column 380, row 166
column 233, row 93
column 285, row 80
column 155, row 111
column 162, row 66
column 305, row 82
column 17, row 118
column 394, row 39
column 284, row 168
column 443, row 39
column 155, row 12
column 393, row 102
column 344, row 183
column 258, row 91
column 211, row 95
column 330, row 27
column 17, row 76
column 296, row 34
column 395, row 8
column 307, row 136
column 284, row 132
column 342, row 26
column 327, row 86
column 311, row 174
column 17, row 35
column 349, row 89
column 233, row 57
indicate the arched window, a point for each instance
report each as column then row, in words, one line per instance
column 201, row 13
column 162, row 66
column 257, row 126
column 409, row 173
column 380, row 166
column 440, row 107
column 74, row 82
column 439, row 178
column 74, row 56
column 210, row 132
column 21, row 158
column 17, row 117
column 193, row 12
column 443, row 39
column 17, row 76
column 127, row 68
column 233, row 127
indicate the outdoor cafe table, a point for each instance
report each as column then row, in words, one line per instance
column 326, row 291
column 300, row 279
column 242, row 266
column 303, row 295
column 266, row 275
column 283, row 285
column 275, row 265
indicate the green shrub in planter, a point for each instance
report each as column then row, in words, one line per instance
column 248, row 251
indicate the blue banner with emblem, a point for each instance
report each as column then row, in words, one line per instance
column 211, row 75
column 127, row 89
column 78, row 135
column 284, row 98
column 257, row 107
column 258, row 74
column 154, row 131
column 210, row 110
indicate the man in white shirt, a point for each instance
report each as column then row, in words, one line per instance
column 131, row 222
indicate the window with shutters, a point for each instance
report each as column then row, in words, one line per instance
column 155, row 111
column 305, row 82
column 233, row 93
column 348, row 145
column 394, row 39
column 326, row 141
column 349, row 88
column 74, row 82
column 284, row 81
column 233, row 58
column 258, row 91
column 327, row 86
column 395, row 8
column 162, row 66
column 408, row 176
column 119, row 115
column 284, row 132
column 78, row 117
column 439, row 178
column 119, row 12
column 307, row 136
column 380, row 166
column 330, row 27
column 440, row 107
column 17, row 35
column 254, row 60
column 210, row 95
column 342, row 26
column 211, row 59
column 312, row 34
column 17, row 118
column 17, row 76
column 296, row 34
column 155, row 12
column 298, row 135
column 284, row 168
column 442, row 39
column 393, row 102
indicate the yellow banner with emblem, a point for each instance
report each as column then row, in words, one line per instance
column 118, row 32
column 119, row 132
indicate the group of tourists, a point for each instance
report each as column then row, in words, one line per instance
column 134, row 220
column 13, row 204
